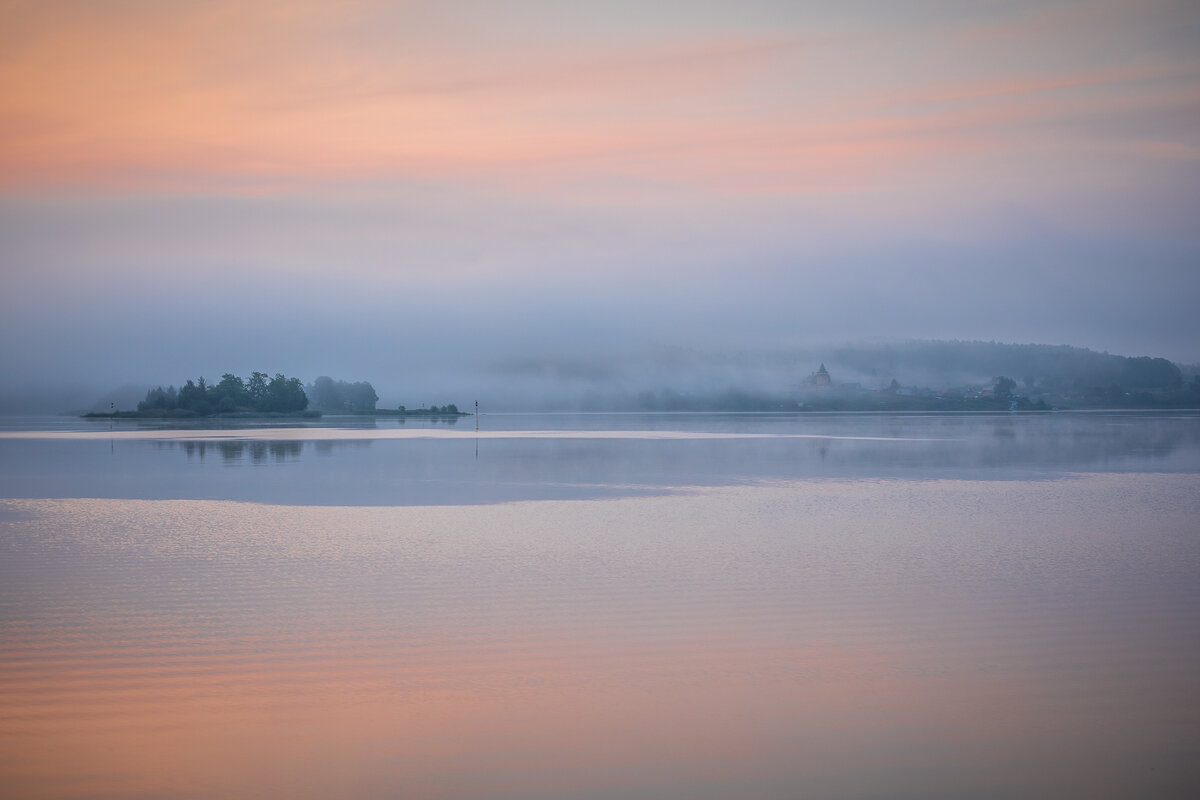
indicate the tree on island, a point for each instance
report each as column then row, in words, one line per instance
column 279, row 394
column 257, row 387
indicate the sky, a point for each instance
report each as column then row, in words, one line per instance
column 455, row 198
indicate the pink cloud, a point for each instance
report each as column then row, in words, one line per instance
column 217, row 97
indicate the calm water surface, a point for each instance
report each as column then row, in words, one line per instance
column 595, row 606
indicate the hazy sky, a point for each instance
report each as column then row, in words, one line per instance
column 444, row 196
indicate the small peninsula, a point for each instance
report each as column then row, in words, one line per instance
column 331, row 396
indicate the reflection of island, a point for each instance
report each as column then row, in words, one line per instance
column 234, row 451
column 371, row 467
column 259, row 452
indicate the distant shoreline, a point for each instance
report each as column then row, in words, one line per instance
column 394, row 412
column 793, row 411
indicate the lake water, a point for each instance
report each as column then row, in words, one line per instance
column 599, row 606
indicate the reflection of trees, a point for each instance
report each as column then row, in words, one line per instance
column 326, row 447
column 234, row 451
column 278, row 450
column 1042, row 442
column 261, row 451
column 282, row 450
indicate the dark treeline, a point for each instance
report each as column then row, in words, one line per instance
column 1056, row 369
column 259, row 393
column 326, row 394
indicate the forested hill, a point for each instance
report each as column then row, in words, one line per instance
column 1051, row 368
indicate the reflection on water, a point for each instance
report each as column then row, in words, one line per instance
column 233, row 452
column 855, row 639
column 608, row 457
column 606, row 606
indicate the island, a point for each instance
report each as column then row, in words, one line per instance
column 261, row 395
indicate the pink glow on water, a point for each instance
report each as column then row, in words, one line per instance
column 850, row 638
